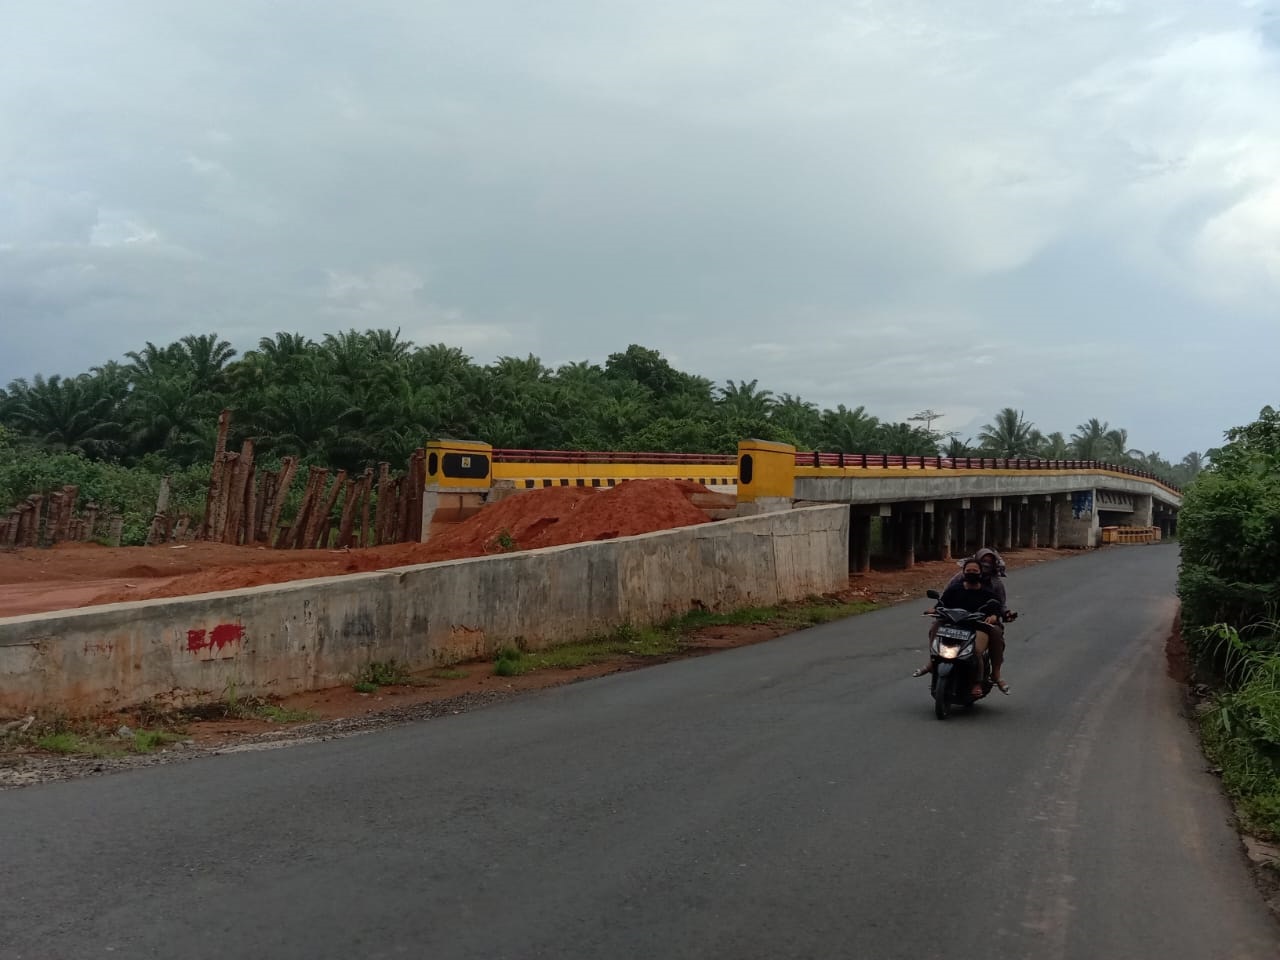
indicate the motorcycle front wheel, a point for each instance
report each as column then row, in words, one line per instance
column 942, row 698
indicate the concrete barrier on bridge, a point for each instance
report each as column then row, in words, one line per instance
column 285, row 638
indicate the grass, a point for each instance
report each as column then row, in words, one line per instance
column 381, row 673
column 1241, row 729
column 89, row 741
column 669, row 638
column 450, row 674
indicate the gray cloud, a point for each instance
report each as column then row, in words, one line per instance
column 1071, row 208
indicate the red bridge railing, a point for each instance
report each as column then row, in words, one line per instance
column 883, row 460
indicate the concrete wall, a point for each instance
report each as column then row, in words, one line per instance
column 284, row 638
column 1073, row 531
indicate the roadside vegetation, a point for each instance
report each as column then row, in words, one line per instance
column 1229, row 584
column 353, row 399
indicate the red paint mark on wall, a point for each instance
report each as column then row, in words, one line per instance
column 226, row 633
column 223, row 635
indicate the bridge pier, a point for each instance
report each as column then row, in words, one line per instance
column 945, row 532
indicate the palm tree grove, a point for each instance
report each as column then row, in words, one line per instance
column 353, row 399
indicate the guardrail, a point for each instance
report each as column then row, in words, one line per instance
column 883, row 461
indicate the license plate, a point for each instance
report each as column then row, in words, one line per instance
column 954, row 633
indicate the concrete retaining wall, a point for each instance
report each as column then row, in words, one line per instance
column 312, row 634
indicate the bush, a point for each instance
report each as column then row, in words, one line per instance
column 1229, row 530
column 129, row 492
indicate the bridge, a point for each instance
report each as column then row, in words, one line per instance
column 910, row 507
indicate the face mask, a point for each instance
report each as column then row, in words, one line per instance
column 973, row 578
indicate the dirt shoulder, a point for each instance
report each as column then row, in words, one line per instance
column 132, row 738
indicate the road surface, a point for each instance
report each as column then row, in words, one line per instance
column 791, row 799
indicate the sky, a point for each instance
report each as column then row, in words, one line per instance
column 1071, row 207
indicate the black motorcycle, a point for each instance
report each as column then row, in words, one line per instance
column 956, row 663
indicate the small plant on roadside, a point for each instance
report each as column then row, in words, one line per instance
column 450, row 674
column 379, row 673
column 505, row 542
column 278, row 714
column 147, row 741
column 510, row 662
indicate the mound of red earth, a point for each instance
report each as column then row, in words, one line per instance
column 525, row 521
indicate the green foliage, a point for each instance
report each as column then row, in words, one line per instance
column 1229, row 530
column 383, row 673
column 355, row 398
column 1242, row 727
column 129, row 492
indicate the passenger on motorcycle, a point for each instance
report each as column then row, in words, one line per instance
column 972, row 595
column 992, row 575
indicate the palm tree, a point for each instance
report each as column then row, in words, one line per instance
column 903, row 439
column 849, row 431
column 76, row 414
column 1053, row 447
column 745, row 401
column 1089, row 442
column 1010, row 435
column 799, row 418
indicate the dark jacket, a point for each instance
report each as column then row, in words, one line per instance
column 957, row 597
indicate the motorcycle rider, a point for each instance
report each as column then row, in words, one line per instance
column 992, row 575
column 971, row 594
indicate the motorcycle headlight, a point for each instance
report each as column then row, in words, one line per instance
column 948, row 651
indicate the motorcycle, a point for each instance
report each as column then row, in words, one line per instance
column 953, row 653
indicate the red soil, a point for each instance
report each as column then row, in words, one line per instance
column 537, row 518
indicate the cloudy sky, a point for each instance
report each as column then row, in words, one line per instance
column 1067, row 206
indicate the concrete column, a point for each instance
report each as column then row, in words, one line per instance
column 1033, row 527
column 910, row 525
column 1006, row 527
column 1079, row 531
column 983, row 522
column 945, row 533
column 1143, row 505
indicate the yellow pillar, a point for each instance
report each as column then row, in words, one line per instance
column 459, row 465
column 766, row 471
column 458, row 477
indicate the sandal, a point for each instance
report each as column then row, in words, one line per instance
column 977, row 693
column 1002, row 686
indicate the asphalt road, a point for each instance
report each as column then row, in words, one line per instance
column 791, row 799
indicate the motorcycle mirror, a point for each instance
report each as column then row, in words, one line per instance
column 933, row 594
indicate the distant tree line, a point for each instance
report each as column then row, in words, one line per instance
column 356, row 398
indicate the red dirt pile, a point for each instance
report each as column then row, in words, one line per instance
column 538, row 518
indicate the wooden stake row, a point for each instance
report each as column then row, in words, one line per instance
column 245, row 507
column 45, row 520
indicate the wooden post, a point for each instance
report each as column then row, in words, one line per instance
column 236, row 494
column 366, row 488
column 249, row 509
column 384, row 495
column 323, row 527
column 303, row 525
column 90, row 520
column 288, row 467
column 262, row 502
column 33, row 531
column 216, row 478
column 348, row 513
column 155, row 534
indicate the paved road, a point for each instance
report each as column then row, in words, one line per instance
column 793, row 799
